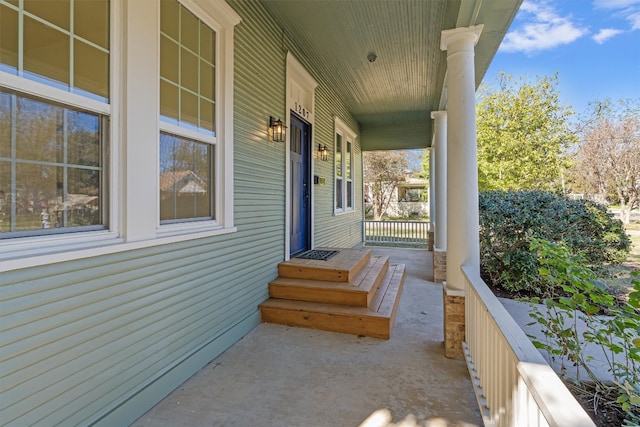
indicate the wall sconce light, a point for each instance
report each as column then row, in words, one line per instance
column 323, row 152
column 278, row 129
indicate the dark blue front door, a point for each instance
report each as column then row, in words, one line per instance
column 300, row 137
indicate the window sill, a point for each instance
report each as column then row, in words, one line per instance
column 21, row 253
column 339, row 213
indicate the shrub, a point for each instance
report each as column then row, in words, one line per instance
column 508, row 221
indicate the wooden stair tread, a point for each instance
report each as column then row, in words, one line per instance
column 342, row 267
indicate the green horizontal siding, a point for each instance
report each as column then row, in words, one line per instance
column 96, row 340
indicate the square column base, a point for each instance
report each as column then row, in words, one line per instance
column 454, row 331
column 439, row 265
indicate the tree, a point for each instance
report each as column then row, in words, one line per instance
column 607, row 159
column 383, row 170
column 523, row 132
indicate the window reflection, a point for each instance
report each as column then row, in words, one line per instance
column 185, row 179
column 50, row 168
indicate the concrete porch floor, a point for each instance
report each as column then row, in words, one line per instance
column 284, row 376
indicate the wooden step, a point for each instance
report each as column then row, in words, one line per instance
column 375, row 321
column 342, row 267
column 359, row 292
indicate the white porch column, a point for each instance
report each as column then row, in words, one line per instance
column 463, row 246
column 432, row 190
column 440, row 188
column 432, row 206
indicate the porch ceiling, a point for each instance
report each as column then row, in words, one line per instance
column 391, row 98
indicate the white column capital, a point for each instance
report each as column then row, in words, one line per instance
column 439, row 115
column 460, row 37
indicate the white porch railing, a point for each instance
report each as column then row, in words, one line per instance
column 514, row 384
column 400, row 233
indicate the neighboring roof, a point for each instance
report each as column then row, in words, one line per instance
column 186, row 181
column 392, row 97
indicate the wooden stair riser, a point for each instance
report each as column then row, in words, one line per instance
column 321, row 270
column 329, row 296
column 377, row 327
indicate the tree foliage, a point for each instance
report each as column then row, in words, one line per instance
column 523, row 132
column 607, row 159
column 383, row 171
column 509, row 220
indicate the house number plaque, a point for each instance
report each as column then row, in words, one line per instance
column 301, row 110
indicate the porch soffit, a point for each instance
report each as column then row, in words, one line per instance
column 395, row 94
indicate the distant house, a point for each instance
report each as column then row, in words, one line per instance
column 108, row 311
column 408, row 199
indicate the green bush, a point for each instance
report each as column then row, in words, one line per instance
column 508, row 221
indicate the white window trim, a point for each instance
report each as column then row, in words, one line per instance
column 222, row 19
column 42, row 250
column 341, row 128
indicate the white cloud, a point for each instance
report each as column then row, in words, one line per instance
column 615, row 4
column 543, row 29
column 605, row 34
column 634, row 19
column 626, row 9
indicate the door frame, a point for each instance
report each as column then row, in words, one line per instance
column 300, row 99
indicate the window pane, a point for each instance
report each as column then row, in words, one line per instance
column 8, row 37
column 188, row 108
column 347, row 160
column 38, row 130
column 54, row 11
column 36, row 197
column 5, row 196
column 91, row 69
column 185, row 178
column 189, row 71
column 169, row 59
column 189, row 26
column 338, row 155
column 91, row 21
column 5, row 125
column 46, row 51
column 58, row 167
column 206, row 80
column 82, row 202
column 338, row 193
column 170, row 18
column 207, row 43
column 207, row 118
column 83, row 145
column 349, row 194
column 169, row 100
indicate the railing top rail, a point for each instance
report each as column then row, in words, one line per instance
column 553, row 398
column 387, row 221
column 520, row 344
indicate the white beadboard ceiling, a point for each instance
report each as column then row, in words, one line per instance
column 395, row 94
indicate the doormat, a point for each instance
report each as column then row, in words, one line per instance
column 316, row 254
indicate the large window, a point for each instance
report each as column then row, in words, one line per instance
column 344, row 168
column 187, row 112
column 53, row 150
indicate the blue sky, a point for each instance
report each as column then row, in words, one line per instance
column 594, row 45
